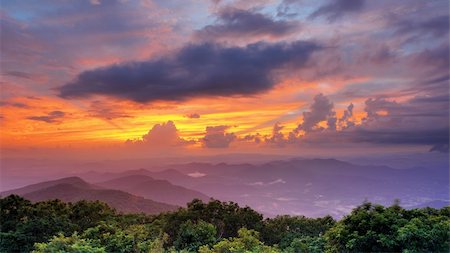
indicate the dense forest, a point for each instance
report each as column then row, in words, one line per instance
column 55, row 226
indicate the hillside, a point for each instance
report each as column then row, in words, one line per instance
column 158, row 190
column 75, row 189
column 38, row 186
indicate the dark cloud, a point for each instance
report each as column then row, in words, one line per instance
column 389, row 135
column 196, row 70
column 237, row 23
column 217, row 137
column 106, row 111
column 192, row 116
column 336, row 9
column 436, row 58
column 437, row 26
column 14, row 104
column 19, row 74
column 51, row 117
column 418, row 121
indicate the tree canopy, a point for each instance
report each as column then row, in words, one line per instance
column 213, row 227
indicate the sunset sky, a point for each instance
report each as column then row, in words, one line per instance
column 124, row 77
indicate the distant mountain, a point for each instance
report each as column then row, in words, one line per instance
column 158, row 190
column 311, row 187
column 39, row 186
column 315, row 187
column 74, row 189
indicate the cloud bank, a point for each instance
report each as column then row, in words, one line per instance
column 196, row 70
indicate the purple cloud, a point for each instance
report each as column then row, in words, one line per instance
column 196, row 70
column 51, row 117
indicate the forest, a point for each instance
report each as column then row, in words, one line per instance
column 216, row 227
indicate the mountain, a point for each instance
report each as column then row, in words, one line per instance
column 74, row 189
column 34, row 187
column 158, row 190
column 315, row 187
column 311, row 187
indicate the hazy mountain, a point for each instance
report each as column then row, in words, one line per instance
column 74, row 189
column 315, row 187
column 312, row 187
column 158, row 190
column 39, row 186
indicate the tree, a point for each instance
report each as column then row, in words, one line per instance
column 193, row 235
column 374, row 228
column 227, row 217
column 306, row 244
column 133, row 238
column 86, row 214
column 247, row 241
column 282, row 230
column 13, row 210
column 428, row 234
column 69, row 244
column 24, row 223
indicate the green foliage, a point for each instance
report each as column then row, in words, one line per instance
column 193, row 235
column 69, row 244
column 247, row 241
column 227, row 217
column 282, row 230
column 86, row 214
column 23, row 224
column 374, row 228
column 425, row 234
column 133, row 238
column 306, row 244
column 54, row 226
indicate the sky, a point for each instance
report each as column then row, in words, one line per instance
column 124, row 78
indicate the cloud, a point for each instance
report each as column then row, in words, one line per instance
column 196, row 70
column 19, row 74
column 320, row 110
column 437, row 26
column 216, row 137
column 259, row 183
column 379, row 107
column 285, row 8
column 418, row 121
column 196, row 174
column 192, row 116
column 236, row 23
column 277, row 138
column 346, row 120
column 106, row 111
column 51, row 117
column 14, row 104
column 336, row 9
column 436, row 58
column 161, row 135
